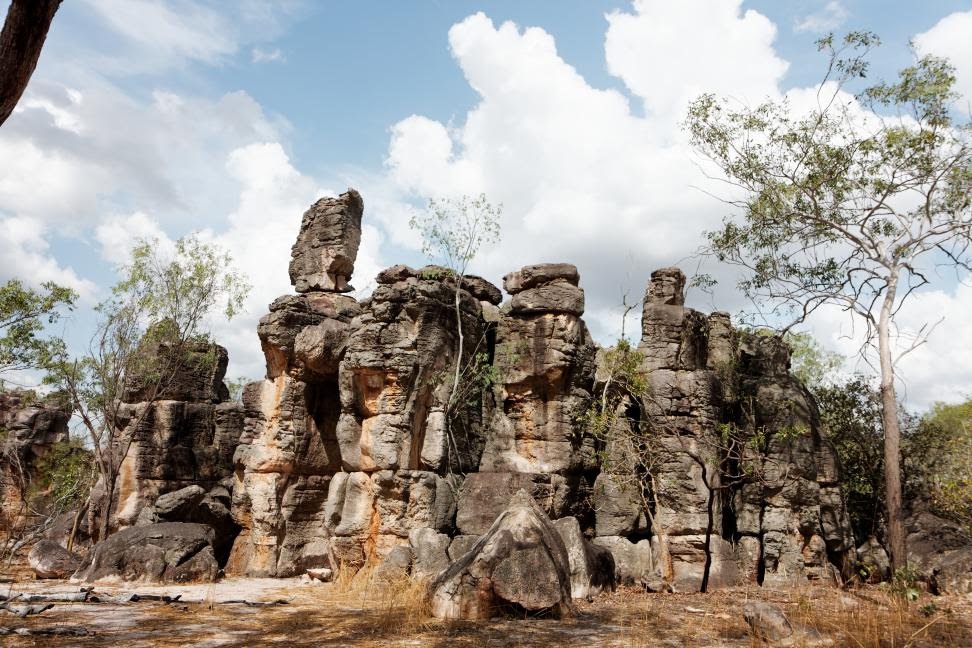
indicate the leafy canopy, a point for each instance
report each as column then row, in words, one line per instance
column 24, row 312
column 454, row 229
column 840, row 201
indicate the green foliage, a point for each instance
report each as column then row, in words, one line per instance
column 938, row 465
column 454, row 229
column 24, row 312
column 905, row 582
column 851, row 414
column 151, row 328
column 836, row 201
column 815, row 366
column 64, row 474
column 625, row 382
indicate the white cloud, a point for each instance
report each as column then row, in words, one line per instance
column 117, row 235
column 168, row 32
column 951, row 37
column 582, row 177
column 586, row 179
column 831, row 16
column 24, row 254
column 667, row 54
column 261, row 55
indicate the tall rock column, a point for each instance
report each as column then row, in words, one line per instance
column 288, row 451
column 544, row 365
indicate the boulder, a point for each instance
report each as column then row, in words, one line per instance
column 556, row 297
column 327, row 245
column 430, row 552
column 395, row 565
column 873, row 558
column 769, row 625
column 177, row 505
column 632, row 560
column 591, row 566
column 48, row 559
column 532, row 276
column 167, row 552
column 520, row 563
column 767, row 621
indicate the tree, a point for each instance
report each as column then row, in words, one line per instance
column 938, row 467
column 23, row 315
column 151, row 329
column 453, row 231
column 24, row 32
column 847, row 207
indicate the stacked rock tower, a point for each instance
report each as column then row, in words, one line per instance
column 355, row 448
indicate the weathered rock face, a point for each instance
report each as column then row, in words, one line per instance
column 324, row 254
column 520, row 562
column 167, row 552
column 172, row 445
column 28, row 430
column 354, row 444
column 941, row 549
column 746, row 485
column 350, row 443
column 48, row 559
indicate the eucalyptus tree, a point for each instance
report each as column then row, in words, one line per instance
column 858, row 202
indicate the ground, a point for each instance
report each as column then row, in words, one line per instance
column 352, row 613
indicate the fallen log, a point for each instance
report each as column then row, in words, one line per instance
column 47, row 597
column 25, row 610
column 63, row 631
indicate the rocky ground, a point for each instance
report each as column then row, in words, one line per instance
column 352, row 613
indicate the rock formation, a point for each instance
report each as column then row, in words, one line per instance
column 183, row 436
column 355, row 450
column 28, row 430
column 521, row 562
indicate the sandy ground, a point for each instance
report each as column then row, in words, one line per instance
column 317, row 614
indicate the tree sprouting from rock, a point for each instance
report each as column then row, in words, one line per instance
column 848, row 207
column 454, row 230
column 149, row 328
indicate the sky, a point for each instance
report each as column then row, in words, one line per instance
column 159, row 118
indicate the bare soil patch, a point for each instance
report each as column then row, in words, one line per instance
column 349, row 613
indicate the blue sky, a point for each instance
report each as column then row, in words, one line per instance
column 160, row 117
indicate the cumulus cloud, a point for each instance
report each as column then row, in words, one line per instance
column 587, row 177
column 582, row 176
column 667, row 55
column 951, row 37
column 24, row 254
column 829, row 17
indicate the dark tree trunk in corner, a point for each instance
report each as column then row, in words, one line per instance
column 21, row 40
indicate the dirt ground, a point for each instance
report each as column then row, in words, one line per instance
column 351, row 614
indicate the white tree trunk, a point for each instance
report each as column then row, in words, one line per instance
column 892, row 432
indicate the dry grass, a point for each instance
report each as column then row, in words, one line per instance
column 364, row 609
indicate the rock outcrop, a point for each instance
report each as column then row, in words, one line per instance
column 29, row 429
column 350, row 443
column 170, row 552
column 358, row 447
column 180, row 435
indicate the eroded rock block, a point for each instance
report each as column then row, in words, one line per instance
column 327, row 245
column 169, row 552
column 521, row 561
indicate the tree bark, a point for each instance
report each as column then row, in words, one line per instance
column 892, row 435
column 21, row 40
